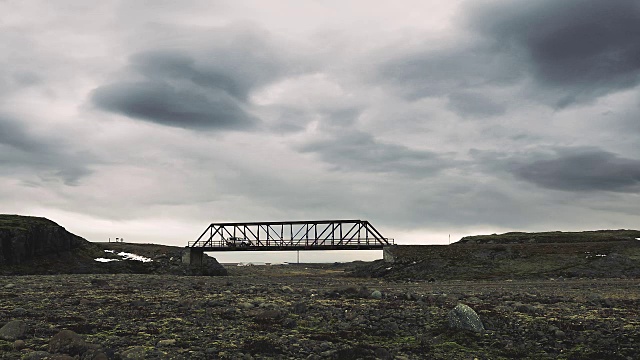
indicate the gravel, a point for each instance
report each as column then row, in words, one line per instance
column 315, row 313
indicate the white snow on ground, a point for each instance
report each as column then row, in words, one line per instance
column 125, row 256
column 130, row 256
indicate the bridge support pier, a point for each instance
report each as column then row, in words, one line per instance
column 192, row 256
column 388, row 253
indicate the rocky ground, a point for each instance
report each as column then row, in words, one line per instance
column 313, row 312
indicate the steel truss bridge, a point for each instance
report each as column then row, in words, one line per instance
column 290, row 235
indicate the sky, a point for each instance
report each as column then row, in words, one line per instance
column 150, row 119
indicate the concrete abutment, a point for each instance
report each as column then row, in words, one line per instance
column 388, row 253
column 191, row 256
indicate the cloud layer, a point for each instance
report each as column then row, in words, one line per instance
column 456, row 118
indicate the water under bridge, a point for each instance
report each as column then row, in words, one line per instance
column 286, row 236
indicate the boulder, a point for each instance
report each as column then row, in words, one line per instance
column 13, row 330
column 464, row 317
column 19, row 345
column 67, row 342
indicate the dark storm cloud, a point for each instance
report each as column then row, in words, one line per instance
column 46, row 158
column 583, row 170
column 358, row 151
column 163, row 104
column 173, row 65
column 199, row 89
column 235, row 70
column 574, row 51
column 585, row 47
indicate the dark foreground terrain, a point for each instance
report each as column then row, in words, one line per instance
column 314, row 312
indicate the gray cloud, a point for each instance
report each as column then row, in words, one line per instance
column 467, row 103
column 233, row 69
column 43, row 157
column 196, row 88
column 163, row 65
column 585, row 47
column 574, row 51
column 163, row 104
column 358, row 151
column 427, row 73
column 583, row 170
column 15, row 136
column 13, row 81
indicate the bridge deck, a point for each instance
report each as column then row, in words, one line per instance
column 290, row 248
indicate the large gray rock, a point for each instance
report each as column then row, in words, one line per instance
column 67, row 342
column 464, row 317
column 13, row 330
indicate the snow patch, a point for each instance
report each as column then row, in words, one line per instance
column 130, row 256
column 124, row 256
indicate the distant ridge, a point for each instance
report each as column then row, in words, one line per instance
column 552, row 237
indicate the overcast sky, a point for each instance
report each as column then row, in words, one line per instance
column 149, row 120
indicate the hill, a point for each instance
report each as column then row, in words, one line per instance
column 552, row 237
column 23, row 238
column 35, row 245
column 592, row 254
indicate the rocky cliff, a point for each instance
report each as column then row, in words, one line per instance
column 23, row 238
column 33, row 245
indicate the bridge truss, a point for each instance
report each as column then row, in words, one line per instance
column 291, row 235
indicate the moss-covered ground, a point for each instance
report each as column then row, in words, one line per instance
column 316, row 312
